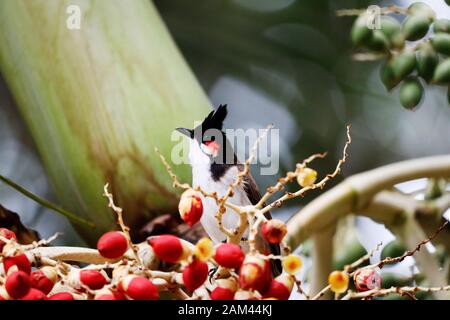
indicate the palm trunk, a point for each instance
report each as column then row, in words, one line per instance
column 99, row 99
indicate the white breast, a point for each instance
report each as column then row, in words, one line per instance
column 202, row 178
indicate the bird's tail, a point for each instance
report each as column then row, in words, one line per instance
column 277, row 268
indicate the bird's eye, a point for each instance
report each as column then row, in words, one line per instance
column 207, row 139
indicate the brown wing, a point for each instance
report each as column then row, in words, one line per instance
column 251, row 189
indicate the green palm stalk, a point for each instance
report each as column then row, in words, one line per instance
column 99, row 99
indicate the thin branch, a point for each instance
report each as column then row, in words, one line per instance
column 355, row 194
column 410, row 253
column 382, row 10
column 320, row 184
column 288, row 178
column 47, row 204
column 397, row 290
column 360, row 261
column 125, row 229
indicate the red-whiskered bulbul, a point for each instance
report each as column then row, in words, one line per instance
column 214, row 168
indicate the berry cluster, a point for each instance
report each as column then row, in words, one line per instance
column 167, row 267
column 163, row 263
column 413, row 55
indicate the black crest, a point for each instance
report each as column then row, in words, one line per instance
column 215, row 119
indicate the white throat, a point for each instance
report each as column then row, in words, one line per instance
column 201, row 176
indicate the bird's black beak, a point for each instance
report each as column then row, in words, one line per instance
column 187, row 132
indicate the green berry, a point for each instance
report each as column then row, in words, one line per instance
column 442, row 72
column 387, row 76
column 393, row 249
column 398, row 40
column 403, row 64
column 360, row 34
column 427, row 60
column 448, row 94
column 415, row 27
column 422, row 9
column 411, row 93
column 397, row 68
column 379, row 42
column 441, row 42
column 390, row 279
column 389, row 26
column 441, row 25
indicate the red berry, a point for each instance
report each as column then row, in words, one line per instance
column 255, row 274
column 229, row 255
column 112, row 244
column 107, row 294
column 222, row 294
column 168, row 248
column 138, row 288
column 8, row 234
column 18, row 284
column 93, row 279
column 34, row 294
column 195, row 274
column 225, row 289
column 367, row 279
column 21, row 261
column 273, row 231
column 280, row 287
column 62, row 296
column 190, row 207
column 44, row 279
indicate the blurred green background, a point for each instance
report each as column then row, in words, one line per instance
column 286, row 62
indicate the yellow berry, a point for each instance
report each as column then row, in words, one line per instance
column 338, row 281
column 292, row 264
column 204, row 249
column 306, row 177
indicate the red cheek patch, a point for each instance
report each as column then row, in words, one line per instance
column 213, row 147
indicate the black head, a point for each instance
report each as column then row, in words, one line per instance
column 212, row 123
column 210, row 137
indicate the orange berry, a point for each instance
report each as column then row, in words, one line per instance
column 338, row 281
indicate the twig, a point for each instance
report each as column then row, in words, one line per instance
column 47, row 204
column 320, row 184
column 382, row 10
column 125, row 229
column 398, row 290
column 288, row 178
column 300, row 290
column 357, row 263
column 409, row 253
